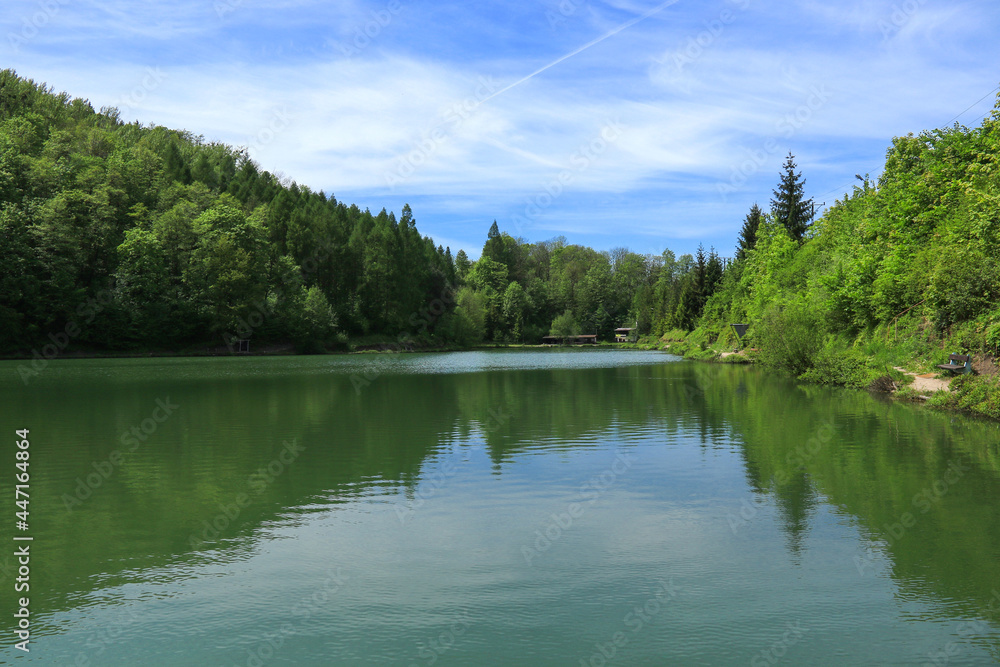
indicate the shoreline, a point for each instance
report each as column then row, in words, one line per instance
column 941, row 396
column 288, row 350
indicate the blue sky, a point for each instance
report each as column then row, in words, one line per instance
column 637, row 123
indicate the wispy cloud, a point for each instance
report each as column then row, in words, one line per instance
column 831, row 84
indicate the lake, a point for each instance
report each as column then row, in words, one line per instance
column 557, row 507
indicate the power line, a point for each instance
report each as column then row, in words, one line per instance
column 974, row 104
column 971, row 106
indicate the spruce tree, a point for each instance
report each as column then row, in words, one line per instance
column 692, row 298
column 493, row 248
column 713, row 274
column 748, row 235
column 789, row 207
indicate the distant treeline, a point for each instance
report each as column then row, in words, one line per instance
column 119, row 236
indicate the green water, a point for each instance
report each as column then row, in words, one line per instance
column 494, row 508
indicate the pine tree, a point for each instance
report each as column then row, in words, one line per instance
column 748, row 235
column 789, row 207
column 713, row 274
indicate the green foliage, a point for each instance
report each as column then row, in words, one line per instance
column 976, row 394
column 516, row 306
column 185, row 242
column 789, row 207
column 564, row 325
column 839, row 364
column 962, row 286
column 188, row 242
column 316, row 323
column 898, row 272
column 467, row 325
column 748, row 235
column 789, row 337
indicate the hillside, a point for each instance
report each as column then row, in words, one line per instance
column 901, row 271
column 115, row 236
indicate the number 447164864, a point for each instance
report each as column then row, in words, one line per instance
column 21, row 491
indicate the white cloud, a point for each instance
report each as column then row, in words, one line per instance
column 352, row 124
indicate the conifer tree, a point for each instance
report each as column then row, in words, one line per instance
column 748, row 235
column 789, row 207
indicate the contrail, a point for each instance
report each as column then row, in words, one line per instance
column 623, row 26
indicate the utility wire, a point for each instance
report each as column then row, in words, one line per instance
column 971, row 106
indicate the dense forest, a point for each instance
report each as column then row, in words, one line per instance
column 117, row 236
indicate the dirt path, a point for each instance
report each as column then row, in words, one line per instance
column 926, row 383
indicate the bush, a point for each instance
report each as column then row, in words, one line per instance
column 976, row 394
column 836, row 363
column 564, row 325
column 789, row 337
column 963, row 285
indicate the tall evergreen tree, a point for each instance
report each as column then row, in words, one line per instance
column 693, row 295
column 748, row 235
column 714, row 269
column 462, row 266
column 493, row 248
column 789, row 207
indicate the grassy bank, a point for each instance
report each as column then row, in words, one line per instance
column 870, row 362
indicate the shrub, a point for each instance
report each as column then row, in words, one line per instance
column 790, row 337
column 963, row 285
column 977, row 394
column 838, row 364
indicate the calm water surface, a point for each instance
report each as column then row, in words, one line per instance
column 495, row 508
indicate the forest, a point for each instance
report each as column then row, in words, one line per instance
column 117, row 237
column 120, row 237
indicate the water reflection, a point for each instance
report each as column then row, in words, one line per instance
column 260, row 451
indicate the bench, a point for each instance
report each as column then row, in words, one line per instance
column 954, row 366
